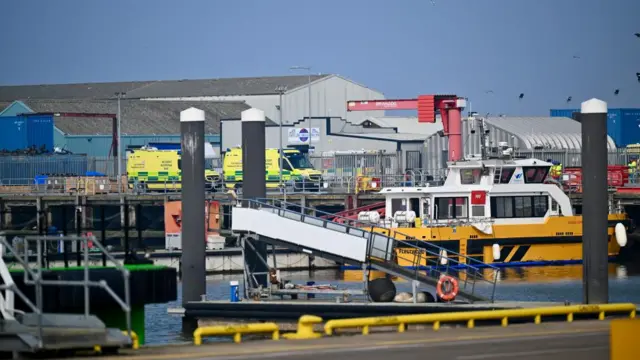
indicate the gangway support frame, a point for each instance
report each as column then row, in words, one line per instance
column 357, row 243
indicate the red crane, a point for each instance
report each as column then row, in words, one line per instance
column 449, row 106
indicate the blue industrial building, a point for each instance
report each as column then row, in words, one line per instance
column 143, row 122
column 623, row 125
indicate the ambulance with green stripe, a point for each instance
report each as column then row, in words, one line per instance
column 151, row 169
column 296, row 169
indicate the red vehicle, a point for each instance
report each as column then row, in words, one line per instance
column 617, row 176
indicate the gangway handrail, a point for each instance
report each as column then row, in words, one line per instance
column 38, row 282
column 388, row 250
column 365, row 224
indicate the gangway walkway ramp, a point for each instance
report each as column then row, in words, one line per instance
column 353, row 243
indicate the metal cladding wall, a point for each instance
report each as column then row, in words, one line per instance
column 99, row 145
column 21, row 170
column 21, row 132
column 623, row 125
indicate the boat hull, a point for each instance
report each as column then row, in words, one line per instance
column 556, row 241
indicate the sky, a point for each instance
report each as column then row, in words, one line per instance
column 487, row 50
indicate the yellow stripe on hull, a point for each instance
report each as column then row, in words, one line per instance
column 558, row 239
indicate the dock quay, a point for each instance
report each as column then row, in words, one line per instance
column 589, row 340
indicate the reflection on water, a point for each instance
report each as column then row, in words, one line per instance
column 544, row 283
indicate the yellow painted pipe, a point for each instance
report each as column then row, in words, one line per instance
column 471, row 316
column 236, row 331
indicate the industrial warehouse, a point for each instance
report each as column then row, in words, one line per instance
column 390, row 182
column 313, row 112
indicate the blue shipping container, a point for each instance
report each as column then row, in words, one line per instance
column 629, row 126
column 21, row 132
column 623, row 125
column 563, row 112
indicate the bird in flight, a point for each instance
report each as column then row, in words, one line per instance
column 616, row 92
column 569, row 99
column 576, row 57
column 638, row 76
column 521, row 95
column 489, row 92
column 637, row 35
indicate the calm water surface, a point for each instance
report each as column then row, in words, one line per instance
column 557, row 283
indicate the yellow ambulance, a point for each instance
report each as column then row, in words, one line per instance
column 296, row 170
column 151, row 169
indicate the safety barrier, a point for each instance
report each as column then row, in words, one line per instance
column 305, row 328
column 623, row 339
column 237, row 331
column 470, row 317
column 135, row 342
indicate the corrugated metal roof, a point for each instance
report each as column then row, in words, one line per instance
column 392, row 136
column 162, row 88
column 4, row 105
column 547, row 132
column 139, row 117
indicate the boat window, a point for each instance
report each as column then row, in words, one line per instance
column 415, row 206
column 469, row 176
column 519, row 206
column 505, row 177
column 535, row 174
column 540, row 206
column 180, row 164
column 502, row 207
column 426, row 204
column 452, row 207
column 398, row 205
column 477, row 210
column 554, row 205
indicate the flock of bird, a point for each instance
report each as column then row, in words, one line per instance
column 615, row 92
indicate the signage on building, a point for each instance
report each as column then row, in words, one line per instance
column 303, row 135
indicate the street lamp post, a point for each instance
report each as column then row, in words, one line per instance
column 281, row 90
column 308, row 68
column 119, row 95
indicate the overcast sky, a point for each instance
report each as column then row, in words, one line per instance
column 547, row 49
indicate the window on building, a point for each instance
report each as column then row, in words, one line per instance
column 519, row 206
column 451, row 207
column 469, row 176
column 535, row 174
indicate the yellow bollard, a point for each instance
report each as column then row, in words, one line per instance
column 623, row 339
column 305, row 328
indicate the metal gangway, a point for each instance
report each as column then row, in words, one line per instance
column 349, row 241
column 35, row 331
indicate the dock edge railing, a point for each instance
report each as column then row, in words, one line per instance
column 470, row 317
column 37, row 281
column 383, row 247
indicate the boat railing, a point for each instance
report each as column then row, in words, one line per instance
column 433, row 259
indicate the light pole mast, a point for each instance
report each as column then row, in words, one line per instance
column 281, row 90
column 119, row 141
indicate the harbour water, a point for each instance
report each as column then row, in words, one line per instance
column 555, row 283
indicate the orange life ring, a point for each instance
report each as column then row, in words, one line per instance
column 451, row 287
